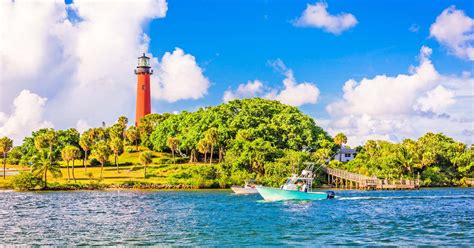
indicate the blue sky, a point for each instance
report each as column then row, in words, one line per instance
column 372, row 69
column 234, row 40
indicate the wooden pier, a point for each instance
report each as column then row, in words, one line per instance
column 343, row 179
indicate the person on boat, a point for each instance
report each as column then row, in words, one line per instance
column 299, row 185
column 304, row 188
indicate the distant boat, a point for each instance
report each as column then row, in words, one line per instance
column 295, row 188
column 248, row 188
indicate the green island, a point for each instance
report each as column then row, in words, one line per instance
column 216, row 147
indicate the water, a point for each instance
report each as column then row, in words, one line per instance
column 424, row 217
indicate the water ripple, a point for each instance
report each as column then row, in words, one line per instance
column 210, row 218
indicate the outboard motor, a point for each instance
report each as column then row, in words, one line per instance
column 331, row 194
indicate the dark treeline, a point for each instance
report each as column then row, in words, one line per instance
column 438, row 159
column 251, row 138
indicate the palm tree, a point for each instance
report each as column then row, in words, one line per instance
column 6, row 145
column 101, row 152
column 123, row 121
column 70, row 153
column 101, row 133
column 43, row 163
column 46, row 140
column 173, row 144
column 133, row 135
column 211, row 137
column 117, row 148
column 75, row 154
column 86, row 143
column 203, row 147
column 66, row 156
column 323, row 155
column 145, row 159
column 340, row 139
column 405, row 159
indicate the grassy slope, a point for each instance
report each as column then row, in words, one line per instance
column 130, row 171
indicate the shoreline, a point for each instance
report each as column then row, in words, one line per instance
column 163, row 189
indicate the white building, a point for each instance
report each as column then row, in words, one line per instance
column 345, row 154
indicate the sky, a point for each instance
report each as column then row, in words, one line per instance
column 372, row 69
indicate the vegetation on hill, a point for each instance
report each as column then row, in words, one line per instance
column 245, row 136
column 438, row 159
column 217, row 147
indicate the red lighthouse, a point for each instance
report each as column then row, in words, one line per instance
column 143, row 72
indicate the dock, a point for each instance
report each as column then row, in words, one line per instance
column 339, row 178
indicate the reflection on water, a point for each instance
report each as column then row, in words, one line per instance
column 425, row 217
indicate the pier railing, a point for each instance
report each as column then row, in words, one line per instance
column 346, row 179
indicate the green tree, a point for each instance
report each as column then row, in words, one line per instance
column 45, row 144
column 14, row 156
column 133, row 136
column 173, row 144
column 46, row 140
column 285, row 127
column 43, row 163
column 76, row 154
column 101, row 152
column 323, row 155
column 146, row 158
column 212, row 137
column 123, row 122
column 6, row 145
column 340, row 139
column 116, row 132
column 203, row 147
column 68, row 154
column 147, row 125
column 116, row 145
column 86, row 143
column 405, row 157
column 67, row 137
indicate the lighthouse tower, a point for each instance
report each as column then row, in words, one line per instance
column 143, row 73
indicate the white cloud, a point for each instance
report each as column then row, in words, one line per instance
column 26, row 116
column 406, row 105
column 83, row 62
column 455, row 30
column 248, row 90
column 82, row 126
column 179, row 77
column 316, row 15
column 435, row 100
column 369, row 96
column 293, row 93
column 29, row 47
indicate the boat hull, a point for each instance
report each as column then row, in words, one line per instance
column 274, row 194
column 244, row 191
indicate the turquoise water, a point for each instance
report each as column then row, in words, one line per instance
column 424, row 217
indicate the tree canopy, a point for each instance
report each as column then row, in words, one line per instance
column 439, row 160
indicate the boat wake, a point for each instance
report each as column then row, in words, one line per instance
column 342, row 198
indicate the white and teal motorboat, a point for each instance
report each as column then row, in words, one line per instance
column 247, row 189
column 295, row 188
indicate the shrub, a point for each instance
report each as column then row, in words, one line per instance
column 432, row 176
column 95, row 162
column 165, row 161
column 26, row 181
column 180, row 160
column 90, row 175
